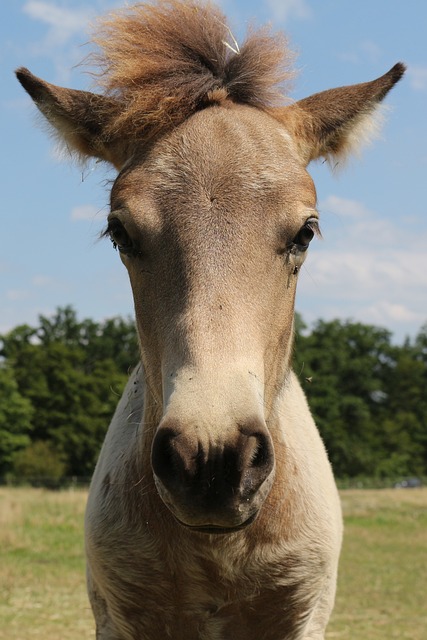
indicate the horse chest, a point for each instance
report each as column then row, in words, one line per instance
column 191, row 596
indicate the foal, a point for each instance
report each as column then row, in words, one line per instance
column 213, row 513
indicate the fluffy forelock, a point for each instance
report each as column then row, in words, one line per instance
column 164, row 61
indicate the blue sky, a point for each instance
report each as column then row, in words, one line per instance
column 371, row 265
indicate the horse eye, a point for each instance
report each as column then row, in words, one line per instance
column 119, row 236
column 306, row 234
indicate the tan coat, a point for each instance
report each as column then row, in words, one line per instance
column 213, row 513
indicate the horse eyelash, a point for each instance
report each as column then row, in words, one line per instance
column 106, row 233
column 314, row 225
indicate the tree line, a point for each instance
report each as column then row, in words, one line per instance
column 61, row 380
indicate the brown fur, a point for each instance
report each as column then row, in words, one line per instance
column 165, row 61
column 212, row 212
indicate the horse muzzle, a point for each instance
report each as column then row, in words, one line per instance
column 213, row 487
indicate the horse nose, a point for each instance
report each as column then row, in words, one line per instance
column 212, row 477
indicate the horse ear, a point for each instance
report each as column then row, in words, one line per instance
column 334, row 123
column 80, row 118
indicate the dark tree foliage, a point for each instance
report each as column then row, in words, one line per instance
column 16, row 414
column 368, row 397
column 72, row 374
column 61, row 380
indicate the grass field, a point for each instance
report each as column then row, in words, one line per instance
column 382, row 591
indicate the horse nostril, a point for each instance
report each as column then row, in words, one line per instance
column 262, row 453
column 206, row 477
column 254, row 444
column 163, row 455
column 175, row 458
column 257, row 461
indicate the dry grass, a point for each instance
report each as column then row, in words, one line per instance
column 383, row 573
column 381, row 593
column 42, row 583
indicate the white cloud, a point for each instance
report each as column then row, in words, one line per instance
column 42, row 281
column 283, row 10
column 63, row 23
column 365, row 51
column 368, row 268
column 17, row 294
column 84, row 212
column 66, row 29
column 371, row 50
column 418, row 77
column 356, row 223
column 344, row 207
column 384, row 311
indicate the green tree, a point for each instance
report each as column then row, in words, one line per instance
column 399, row 453
column 343, row 366
column 72, row 373
column 16, row 413
column 72, row 407
column 17, row 339
column 114, row 338
column 38, row 461
column 421, row 345
column 404, row 412
column 60, row 383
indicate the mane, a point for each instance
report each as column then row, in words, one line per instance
column 164, row 61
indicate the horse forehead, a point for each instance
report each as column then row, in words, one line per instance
column 240, row 148
column 234, row 161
